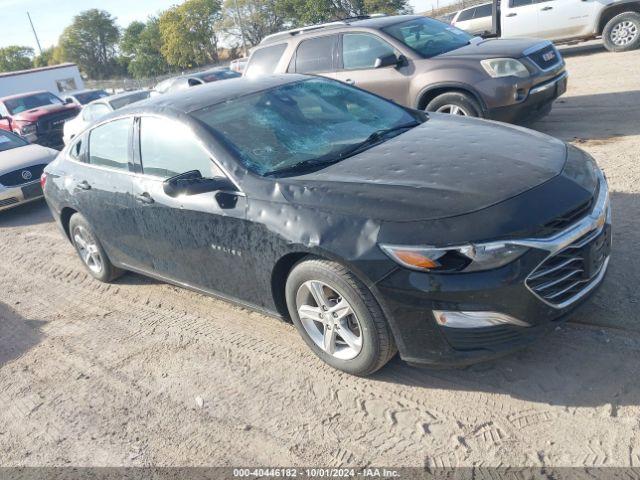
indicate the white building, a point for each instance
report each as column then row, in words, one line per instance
column 56, row 79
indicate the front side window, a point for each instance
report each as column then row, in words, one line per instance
column 429, row 37
column 316, row 55
column 169, row 148
column 484, row 11
column 360, row 50
column 87, row 97
column 264, row 61
column 520, row 3
column 466, row 15
column 22, row 104
column 109, row 144
column 95, row 111
column 297, row 123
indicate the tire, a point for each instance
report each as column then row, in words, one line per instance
column 90, row 250
column 614, row 37
column 456, row 103
column 371, row 343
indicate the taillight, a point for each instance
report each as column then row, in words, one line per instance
column 43, row 179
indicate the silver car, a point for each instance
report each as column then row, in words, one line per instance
column 21, row 165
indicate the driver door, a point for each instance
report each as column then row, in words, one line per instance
column 193, row 239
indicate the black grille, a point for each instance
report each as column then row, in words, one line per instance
column 17, row 177
column 483, row 338
column 8, row 201
column 54, row 121
column 563, row 222
column 566, row 274
column 546, row 58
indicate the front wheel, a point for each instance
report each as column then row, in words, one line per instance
column 455, row 103
column 338, row 317
column 622, row 32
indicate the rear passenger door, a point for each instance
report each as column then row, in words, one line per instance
column 358, row 54
column 318, row 56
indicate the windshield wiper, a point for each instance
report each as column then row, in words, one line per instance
column 326, row 160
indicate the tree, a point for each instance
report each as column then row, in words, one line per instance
column 258, row 18
column 306, row 12
column 188, row 33
column 15, row 57
column 141, row 43
column 90, row 41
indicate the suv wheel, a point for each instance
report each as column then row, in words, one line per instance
column 455, row 103
column 622, row 32
column 338, row 317
column 90, row 250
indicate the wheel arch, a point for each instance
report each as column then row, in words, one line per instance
column 65, row 217
column 616, row 9
column 432, row 91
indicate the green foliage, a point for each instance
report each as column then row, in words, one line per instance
column 188, row 33
column 141, row 44
column 90, row 41
column 15, row 57
column 307, row 12
column 258, row 18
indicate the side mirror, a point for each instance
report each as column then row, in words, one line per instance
column 390, row 60
column 192, row 183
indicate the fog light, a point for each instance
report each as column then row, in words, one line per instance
column 475, row 319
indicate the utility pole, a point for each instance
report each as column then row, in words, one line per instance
column 240, row 27
column 34, row 33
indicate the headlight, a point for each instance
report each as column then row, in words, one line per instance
column 505, row 67
column 466, row 258
column 27, row 128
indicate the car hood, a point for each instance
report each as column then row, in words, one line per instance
column 22, row 157
column 495, row 47
column 36, row 114
column 446, row 167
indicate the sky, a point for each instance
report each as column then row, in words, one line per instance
column 50, row 17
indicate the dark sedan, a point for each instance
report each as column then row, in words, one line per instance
column 374, row 227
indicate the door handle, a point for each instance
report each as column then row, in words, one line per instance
column 145, row 198
column 512, row 14
column 546, row 8
column 84, row 185
column 348, row 81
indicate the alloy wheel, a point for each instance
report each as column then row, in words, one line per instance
column 453, row 110
column 624, row 33
column 88, row 250
column 329, row 320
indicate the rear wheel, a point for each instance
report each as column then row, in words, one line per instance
column 622, row 32
column 90, row 250
column 455, row 103
column 338, row 317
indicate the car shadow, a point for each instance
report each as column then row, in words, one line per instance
column 33, row 213
column 603, row 116
column 131, row 278
column 17, row 334
column 582, row 49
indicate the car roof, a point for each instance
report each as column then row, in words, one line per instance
column 375, row 22
column 475, row 6
column 192, row 99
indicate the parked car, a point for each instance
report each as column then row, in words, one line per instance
column 447, row 18
column 192, row 80
column 238, row 65
column 98, row 109
column 477, row 20
column 422, row 63
column 37, row 116
column 21, row 165
column 83, row 97
column 562, row 21
column 369, row 224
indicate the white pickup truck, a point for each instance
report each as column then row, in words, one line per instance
column 616, row 21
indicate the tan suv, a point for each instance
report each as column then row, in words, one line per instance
column 422, row 63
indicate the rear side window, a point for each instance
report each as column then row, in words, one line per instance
column 466, row 15
column 109, row 144
column 169, row 148
column 265, row 60
column 484, row 11
column 360, row 50
column 316, row 55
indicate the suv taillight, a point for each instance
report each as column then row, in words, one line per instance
column 43, row 179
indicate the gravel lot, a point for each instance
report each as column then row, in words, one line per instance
column 142, row 373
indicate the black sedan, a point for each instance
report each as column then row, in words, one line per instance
column 373, row 227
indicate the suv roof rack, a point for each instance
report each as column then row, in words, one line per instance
column 297, row 31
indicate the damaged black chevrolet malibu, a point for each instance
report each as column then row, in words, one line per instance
column 374, row 227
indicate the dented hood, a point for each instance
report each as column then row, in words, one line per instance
column 446, row 167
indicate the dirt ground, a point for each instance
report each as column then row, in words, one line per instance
column 142, row 373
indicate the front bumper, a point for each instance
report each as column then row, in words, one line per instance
column 13, row 196
column 410, row 297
